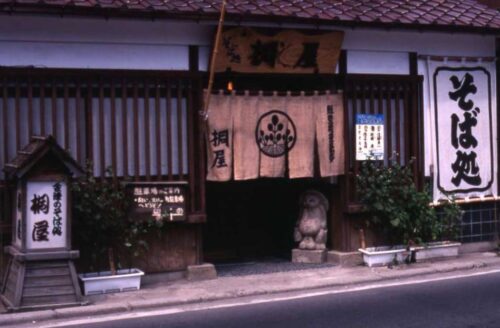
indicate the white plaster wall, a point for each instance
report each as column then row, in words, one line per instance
column 386, row 51
column 63, row 42
column 377, row 62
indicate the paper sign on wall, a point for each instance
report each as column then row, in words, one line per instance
column 369, row 137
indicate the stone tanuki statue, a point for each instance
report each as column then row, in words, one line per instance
column 310, row 229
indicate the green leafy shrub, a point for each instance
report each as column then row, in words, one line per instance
column 397, row 208
column 450, row 215
column 101, row 226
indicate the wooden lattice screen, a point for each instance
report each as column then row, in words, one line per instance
column 141, row 124
column 399, row 99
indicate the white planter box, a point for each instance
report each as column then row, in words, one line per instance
column 436, row 250
column 105, row 282
column 384, row 255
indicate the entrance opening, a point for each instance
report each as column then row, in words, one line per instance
column 252, row 220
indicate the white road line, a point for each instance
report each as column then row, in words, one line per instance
column 208, row 306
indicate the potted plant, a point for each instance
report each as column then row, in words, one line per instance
column 450, row 217
column 104, row 231
column 398, row 211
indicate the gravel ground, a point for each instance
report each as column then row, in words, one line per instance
column 264, row 266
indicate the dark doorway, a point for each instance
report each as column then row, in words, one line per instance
column 250, row 220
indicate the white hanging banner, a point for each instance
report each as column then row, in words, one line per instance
column 465, row 130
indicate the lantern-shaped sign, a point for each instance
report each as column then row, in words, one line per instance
column 40, row 177
column 45, row 225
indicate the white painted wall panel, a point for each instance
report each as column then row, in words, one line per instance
column 89, row 55
column 436, row 43
column 98, row 43
column 376, row 62
column 100, row 30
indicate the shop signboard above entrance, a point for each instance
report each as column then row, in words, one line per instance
column 369, row 137
column 158, row 200
column 247, row 50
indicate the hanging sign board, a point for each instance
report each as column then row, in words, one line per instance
column 465, row 138
column 46, row 219
column 369, row 137
column 246, row 50
column 159, row 201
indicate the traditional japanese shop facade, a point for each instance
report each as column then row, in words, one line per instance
column 124, row 88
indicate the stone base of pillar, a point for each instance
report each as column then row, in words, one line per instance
column 308, row 256
column 203, row 271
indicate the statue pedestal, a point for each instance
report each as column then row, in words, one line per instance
column 308, row 256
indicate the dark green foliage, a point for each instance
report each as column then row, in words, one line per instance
column 101, row 223
column 397, row 208
column 451, row 218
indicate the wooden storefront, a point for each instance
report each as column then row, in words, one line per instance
column 239, row 213
column 81, row 105
column 144, row 125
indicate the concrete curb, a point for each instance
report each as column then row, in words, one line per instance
column 381, row 274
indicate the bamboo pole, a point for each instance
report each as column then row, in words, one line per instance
column 204, row 112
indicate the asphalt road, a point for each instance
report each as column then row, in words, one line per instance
column 464, row 302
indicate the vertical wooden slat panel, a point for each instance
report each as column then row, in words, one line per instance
column 408, row 116
column 397, row 122
column 18, row 115
column 136, row 131
column 5, row 110
column 418, row 134
column 390, row 124
column 169, row 130
column 179, row 131
column 371, row 109
column 362, row 87
column 158, row 130
column 89, row 126
column 65, row 124
column 190, row 142
column 380, row 97
column 201, row 150
column 125, row 128
column 102, row 133
column 147, row 150
column 54, row 109
column 191, row 137
column 355, row 109
column 43, row 110
column 78, row 98
column 113, row 128
column 30, row 109
column 349, row 135
column 347, row 144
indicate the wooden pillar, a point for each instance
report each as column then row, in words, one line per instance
column 497, row 68
column 340, row 225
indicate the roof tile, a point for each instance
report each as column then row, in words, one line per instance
column 435, row 12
